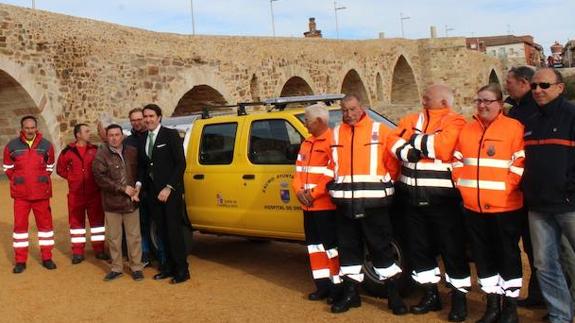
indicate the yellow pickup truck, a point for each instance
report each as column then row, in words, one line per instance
column 239, row 170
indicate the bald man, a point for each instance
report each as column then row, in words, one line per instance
column 549, row 187
column 424, row 143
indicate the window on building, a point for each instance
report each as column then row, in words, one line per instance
column 217, row 144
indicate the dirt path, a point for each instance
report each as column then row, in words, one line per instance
column 233, row 280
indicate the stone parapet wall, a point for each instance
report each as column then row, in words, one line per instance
column 75, row 69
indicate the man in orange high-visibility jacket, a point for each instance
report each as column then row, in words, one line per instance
column 424, row 143
column 362, row 191
column 28, row 163
column 488, row 166
column 314, row 170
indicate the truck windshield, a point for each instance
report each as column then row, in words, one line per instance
column 335, row 118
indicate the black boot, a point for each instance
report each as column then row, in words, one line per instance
column 458, row 311
column 349, row 298
column 394, row 302
column 429, row 302
column 492, row 310
column 335, row 293
column 322, row 292
column 509, row 311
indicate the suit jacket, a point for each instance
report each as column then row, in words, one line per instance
column 167, row 165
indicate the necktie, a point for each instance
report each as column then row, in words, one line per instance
column 150, row 144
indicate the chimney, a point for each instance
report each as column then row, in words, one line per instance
column 313, row 32
column 433, row 31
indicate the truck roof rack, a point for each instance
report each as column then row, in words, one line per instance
column 279, row 103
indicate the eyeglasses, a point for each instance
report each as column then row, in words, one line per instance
column 542, row 85
column 484, row 101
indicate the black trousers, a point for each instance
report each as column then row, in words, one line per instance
column 168, row 219
column 495, row 246
column 437, row 230
column 320, row 228
column 374, row 230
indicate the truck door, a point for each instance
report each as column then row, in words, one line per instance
column 272, row 148
column 211, row 193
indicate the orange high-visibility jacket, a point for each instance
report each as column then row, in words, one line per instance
column 488, row 165
column 314, row 169
column 363, row 167
column 424, row 143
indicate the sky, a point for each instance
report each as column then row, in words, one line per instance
column 547, row 20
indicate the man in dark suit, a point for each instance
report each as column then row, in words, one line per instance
column 162, row 165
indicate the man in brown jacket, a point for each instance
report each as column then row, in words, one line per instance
column 115, row 171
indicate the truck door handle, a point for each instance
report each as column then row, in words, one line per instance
column 249, row 176
column 199, row 176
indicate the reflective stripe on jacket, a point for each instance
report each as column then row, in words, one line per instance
column 314, row 170
column 29, row 167
column 488, row 165
column 363, row 167
column 431, row 134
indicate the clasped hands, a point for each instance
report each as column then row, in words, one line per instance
column 304, row 197
column 133, row 192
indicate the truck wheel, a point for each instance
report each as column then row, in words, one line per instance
column 371, row 283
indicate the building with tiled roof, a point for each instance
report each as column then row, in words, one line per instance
column 513, row 50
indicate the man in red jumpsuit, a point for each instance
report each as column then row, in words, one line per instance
column 28, row 163
column 75, row 165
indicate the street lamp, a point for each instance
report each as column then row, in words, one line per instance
column 193, row 20
column 447, row 30
column 402, row 18
column 273, row 19
column 336, row 9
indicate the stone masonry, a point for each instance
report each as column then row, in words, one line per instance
column 68, row 70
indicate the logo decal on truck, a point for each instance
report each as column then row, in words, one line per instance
column 284, row 192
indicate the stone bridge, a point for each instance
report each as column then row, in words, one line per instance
column 68, row 70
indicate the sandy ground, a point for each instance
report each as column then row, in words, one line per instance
column 233, row 280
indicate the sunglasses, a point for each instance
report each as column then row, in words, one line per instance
column 542, row 85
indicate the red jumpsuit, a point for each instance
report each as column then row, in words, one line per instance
column 28, row 168
column 75, row 165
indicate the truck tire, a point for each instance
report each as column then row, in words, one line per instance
column 374, row 287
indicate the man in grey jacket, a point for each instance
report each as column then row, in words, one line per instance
column 115, row 171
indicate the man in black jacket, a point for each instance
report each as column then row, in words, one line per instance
column 162, row 165
column 138, row 133
column 523, row 107
column 549, row 187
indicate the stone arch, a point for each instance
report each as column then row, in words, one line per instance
column 353, row 84
column 296, row 86
column 294, row 72
column 196, row 99
column 205, row 80
column 21, row 94
column 404, row 90
column 493, row 78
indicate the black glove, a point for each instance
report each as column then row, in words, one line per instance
column 413, row 155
